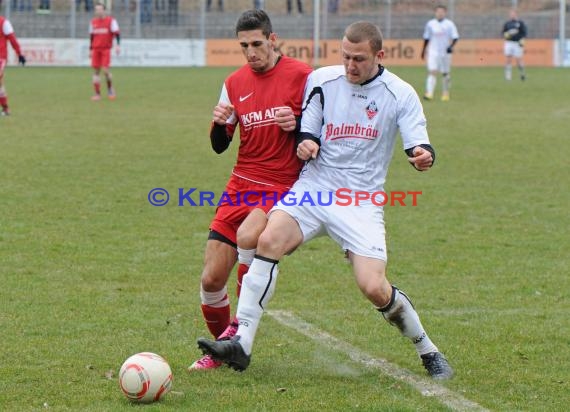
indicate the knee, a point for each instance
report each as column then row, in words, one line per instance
column 246, row 239
column 270, row 242
column 213, row 278
column 378, row 293
column 377, row 290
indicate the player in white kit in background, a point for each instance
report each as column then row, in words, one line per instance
column 440, row 35
column 350, row 121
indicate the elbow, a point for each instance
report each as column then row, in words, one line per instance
column 219, row 146
column 218, row 149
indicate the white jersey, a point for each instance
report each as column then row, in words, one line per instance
column 357, row 127
column 440, row 35
column 7, row 28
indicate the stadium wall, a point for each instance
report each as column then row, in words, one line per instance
column 402, row 52
column 224, row 52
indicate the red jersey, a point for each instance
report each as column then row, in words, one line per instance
column 266, row 153
column 102, row 31
column 7, row 34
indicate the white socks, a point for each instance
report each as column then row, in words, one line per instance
column 245, row 256
column 217, row 299
column 430, row 84
column 401, row 313
column 508, row 72
column 257, row 290
column 446, row 83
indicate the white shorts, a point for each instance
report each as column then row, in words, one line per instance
column 358, row 229
column 439, row 62
column 513, row 49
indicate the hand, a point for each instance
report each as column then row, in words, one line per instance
column 90, row 53
column 307, row 149
column 422, row 159
column 117, row 49
column 222, row 112
column 22, row 59
column 423, row 55
column 521, row 42
column 450, row 50
column 285, row 119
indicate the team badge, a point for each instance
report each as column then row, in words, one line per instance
column 371, row 110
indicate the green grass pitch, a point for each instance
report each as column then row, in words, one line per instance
column 91, row 273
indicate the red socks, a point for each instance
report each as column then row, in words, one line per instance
column 242, row 270
column 217, row 319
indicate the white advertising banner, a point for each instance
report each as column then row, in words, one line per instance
column 563, row 61
column 47, row 52
column 134, row 53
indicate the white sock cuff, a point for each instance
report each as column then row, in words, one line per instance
column 217, row 299
column 262, row 266
column 245, row 256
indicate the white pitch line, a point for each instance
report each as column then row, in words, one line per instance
column 426, row 387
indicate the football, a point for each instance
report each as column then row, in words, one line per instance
column 145, row 377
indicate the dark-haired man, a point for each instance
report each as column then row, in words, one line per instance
column 264, row 98
column 102, row 30
column 350, row 120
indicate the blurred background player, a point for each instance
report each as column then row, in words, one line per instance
column 440, row 35
column 514, row 32
column 264, row 97
column 7, row 35
column 102, row 30
column 220, row 5
column 290, row 6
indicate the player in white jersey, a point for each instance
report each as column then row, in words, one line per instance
column 348, row 130
column 440, row 35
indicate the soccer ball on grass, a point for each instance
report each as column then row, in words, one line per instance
column 145, row 377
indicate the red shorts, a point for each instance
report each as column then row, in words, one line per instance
column 242, row 197
column 3, row 63
column 100, row 58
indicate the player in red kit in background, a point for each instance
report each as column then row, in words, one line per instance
column 7, row 35
column 102, row 30
column 264, row 98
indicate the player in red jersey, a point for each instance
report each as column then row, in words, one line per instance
column 7, row 35
column 102, row 30
column 264, row 97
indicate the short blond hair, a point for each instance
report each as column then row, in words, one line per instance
column 361, row 31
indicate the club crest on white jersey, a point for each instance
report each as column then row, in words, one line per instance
column 371, row 109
